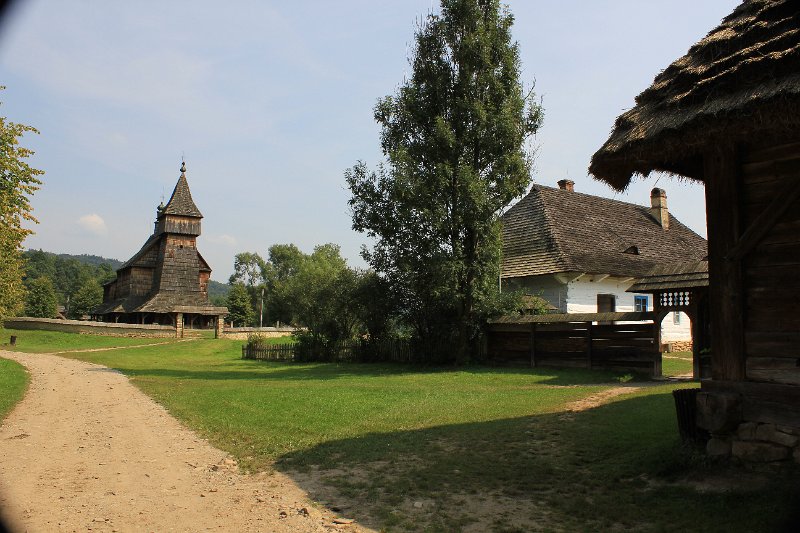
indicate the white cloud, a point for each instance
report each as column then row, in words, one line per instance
column 224, row 240
column 94, row 224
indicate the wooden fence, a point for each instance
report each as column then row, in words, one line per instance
column 395, row 350
column 590, row 340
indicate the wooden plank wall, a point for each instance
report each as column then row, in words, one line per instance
column 625, row 347
column 771, row 271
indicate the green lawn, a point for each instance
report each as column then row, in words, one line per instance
column 13, row 382
column 676, row 363
column 430, row 449
column 32, row 341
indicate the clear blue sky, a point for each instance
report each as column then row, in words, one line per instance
column 271, row 101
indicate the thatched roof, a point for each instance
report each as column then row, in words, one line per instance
column 554, row 230
column 673, row 277
column 742, row 79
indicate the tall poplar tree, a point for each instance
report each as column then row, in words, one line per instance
column 18, row 181
column 454, row 138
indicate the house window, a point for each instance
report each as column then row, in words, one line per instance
column 606, row 303
column 640, row 304
column 676, row 318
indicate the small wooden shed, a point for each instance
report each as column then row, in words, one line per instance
column 727, row 114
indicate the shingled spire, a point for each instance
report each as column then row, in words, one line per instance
column 180, row 215
column 181, row 203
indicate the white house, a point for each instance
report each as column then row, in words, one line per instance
column 582, row 252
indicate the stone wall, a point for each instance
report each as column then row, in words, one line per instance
column 733, row 422
column 242, row 333
column 91, row 328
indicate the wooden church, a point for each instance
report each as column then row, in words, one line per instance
column 166, row 281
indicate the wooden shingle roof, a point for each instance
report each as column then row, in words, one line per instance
column 742, row 79
column 181, row 203
column 553, row 230
column 673, row 277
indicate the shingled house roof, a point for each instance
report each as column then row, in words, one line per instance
column 181, row 203
column 742, row 79
column 553, row 230
column 677, row 276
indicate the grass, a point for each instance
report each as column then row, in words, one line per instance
column 431, row 449
column 676, row 363
column 13, row 382
column 32, row 341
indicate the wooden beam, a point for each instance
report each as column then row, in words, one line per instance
column 600, row 277
column 762, row 225
column 723, row 215
column 567, row 277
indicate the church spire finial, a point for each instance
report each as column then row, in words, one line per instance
column 183, row 169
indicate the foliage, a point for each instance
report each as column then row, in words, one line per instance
column 18, row 181
column 86, row 300
column 240, row 310
column 248, row 271
column 317, row 291
column 284, row 262
column 69, row 274
column 218, row 292
column 322, row 296
column 254, row 340
column 41, row 300
column 454, row 137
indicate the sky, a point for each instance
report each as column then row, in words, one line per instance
column 269, row 102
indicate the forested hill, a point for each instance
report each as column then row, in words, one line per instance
column 91, row 260
column 69, row 272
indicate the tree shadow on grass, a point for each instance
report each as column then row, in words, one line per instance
column 271, row 371
column 619, row 466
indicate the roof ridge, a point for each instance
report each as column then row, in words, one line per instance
column 552, row 228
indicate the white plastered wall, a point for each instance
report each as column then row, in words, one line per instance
column 582, row 298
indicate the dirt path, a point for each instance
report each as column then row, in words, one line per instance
column 87, row 451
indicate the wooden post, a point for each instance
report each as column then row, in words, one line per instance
column 723, row 213
column 533, row 345
column 179, row 325
column 219, row 326
column 589, row 337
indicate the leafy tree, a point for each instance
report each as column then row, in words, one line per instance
column 454, row 137
column 285, row 260
column 240, row 310
column 248, row 270
column 322, row 296
column 18, row 181
column 86, row 299
column 41, row 300
column 68, row 273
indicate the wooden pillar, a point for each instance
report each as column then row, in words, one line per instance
column 533, row 344
column 589, row 337
column 219, row 326
column 723, row 214
column 694, row 316
column 179, row 325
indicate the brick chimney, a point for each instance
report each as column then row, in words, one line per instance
column 658, row 207
column 566, row 185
